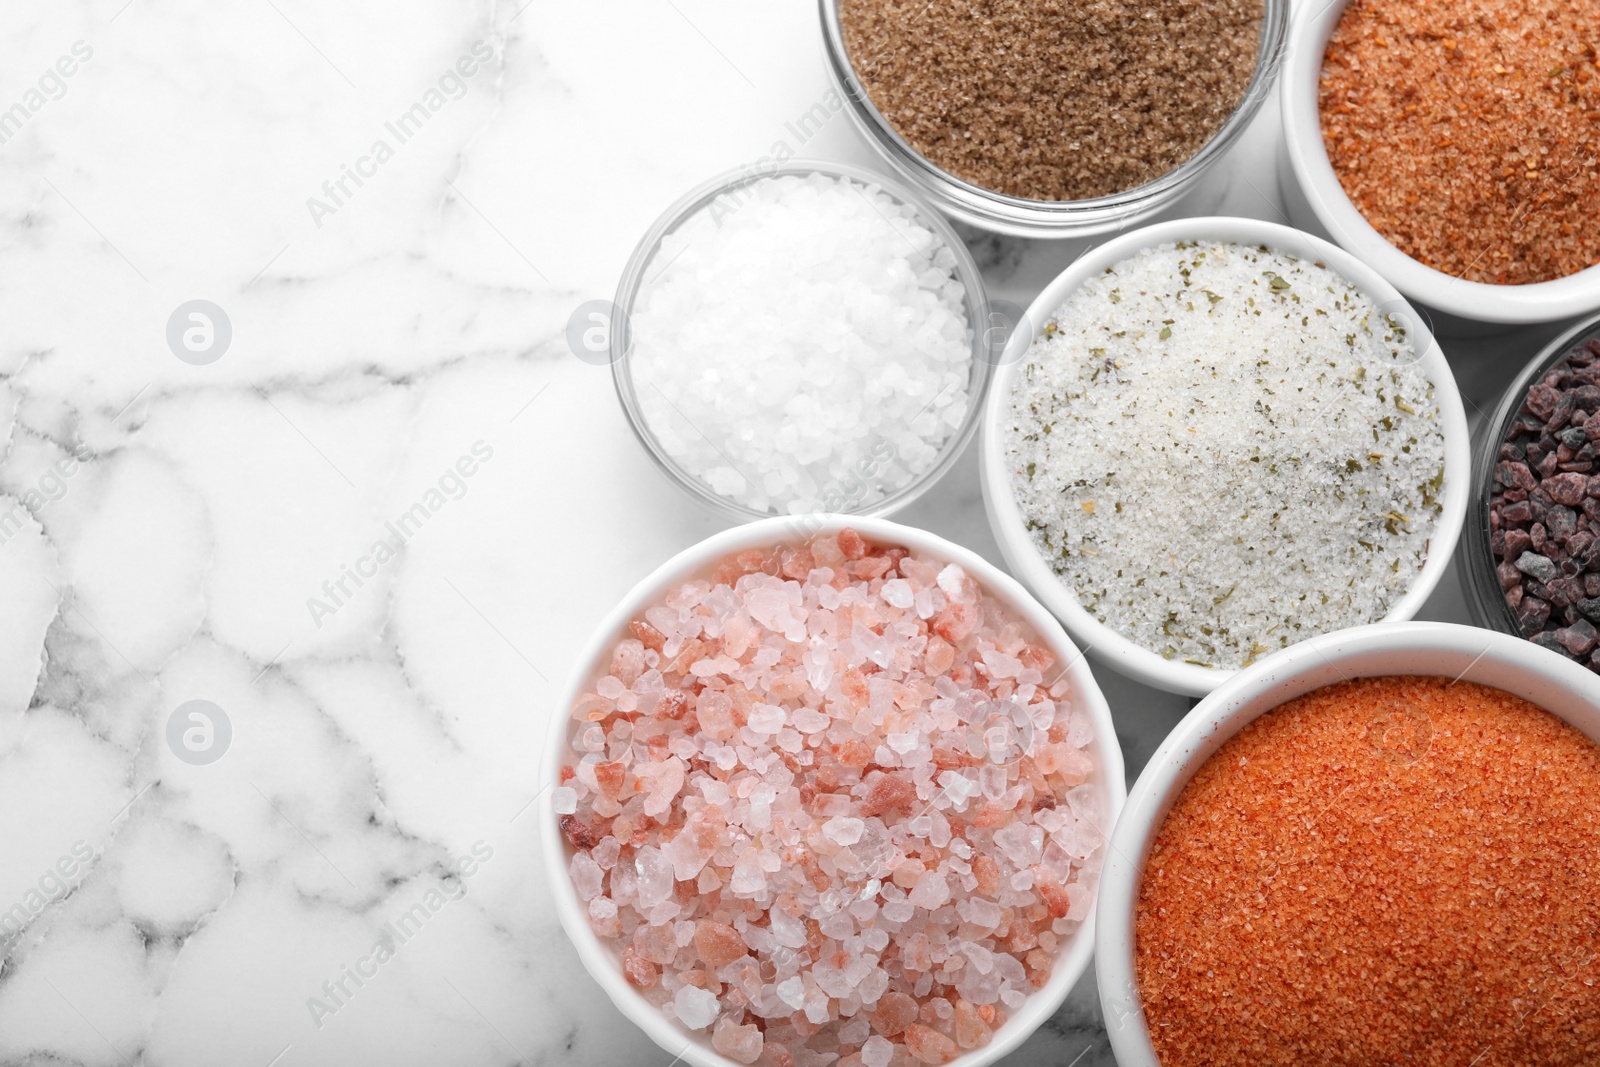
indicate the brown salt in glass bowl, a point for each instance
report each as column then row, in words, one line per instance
column 1001, row 213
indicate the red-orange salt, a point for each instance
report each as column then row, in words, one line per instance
column 1387, row 870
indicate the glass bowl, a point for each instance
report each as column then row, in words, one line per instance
column 1002, row 213
column 986, row 341
column 1485, row 598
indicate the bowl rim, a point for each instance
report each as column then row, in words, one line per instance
column 975, row 304
column 1307, row 155
column 1488, row 657
column 1074, row 956
column 1023, row 217
column 1005, row 517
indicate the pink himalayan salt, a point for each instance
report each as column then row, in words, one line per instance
column 829, row 805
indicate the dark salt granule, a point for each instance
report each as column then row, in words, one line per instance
column 1544, row 514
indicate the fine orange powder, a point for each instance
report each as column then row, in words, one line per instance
column 1383, row 871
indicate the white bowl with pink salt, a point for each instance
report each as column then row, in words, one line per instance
column 831, row 790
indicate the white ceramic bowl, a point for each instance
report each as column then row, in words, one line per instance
column 695, row 1049
column 1320, row 203
column 1417, row 648
column 1005, row 518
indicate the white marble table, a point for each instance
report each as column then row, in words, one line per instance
column 397, row 280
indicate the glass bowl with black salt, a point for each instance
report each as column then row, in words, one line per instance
column 1532, row 563
column 1040, row 118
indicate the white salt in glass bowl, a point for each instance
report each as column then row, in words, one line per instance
column 1317, row 201
column 643, row 266
column 1006, row 519
column 1074, row 953
column 1499, row 660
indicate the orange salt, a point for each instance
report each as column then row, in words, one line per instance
column 1384, row 871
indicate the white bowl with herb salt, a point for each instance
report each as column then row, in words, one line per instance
column 1217, row 437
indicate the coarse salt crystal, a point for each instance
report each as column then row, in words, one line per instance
column 744, row 828
column 876, row 1052
column 897, row 593
column 696, row 1008
column 860, row 372
column 565, row 799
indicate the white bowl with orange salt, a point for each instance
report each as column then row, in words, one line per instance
column 1365, row 845
column 829, row 785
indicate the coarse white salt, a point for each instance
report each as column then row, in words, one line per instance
column 802, row 344
column 876, row 1052
column 696, row 1008
column 564, row 799
column 1221, row 450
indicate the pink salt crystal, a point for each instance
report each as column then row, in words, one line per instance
column 655, row 876
column 932, row 891
column 586, row 876
column 717, row 943
column 714, row 711
column 956, row 584
column 816, row 1009
column 888, row 793
column 795, row 846
column 603, row 914
column 929, row 1045
column 851, row 544
column 748, row 878
column 767, row 719
column 970, row 1029
column 663, row 779
column 639, row 970
column 894, row 1012
column 792, row 991
column 916, row 954
column 956, row 622
column 810, row 721
column 741, row 1043
column 1085, row 803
